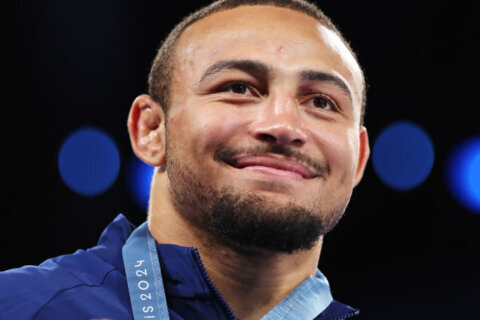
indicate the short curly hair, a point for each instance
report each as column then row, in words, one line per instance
column 160, row 77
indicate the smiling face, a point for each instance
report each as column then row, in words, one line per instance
column 264, row 126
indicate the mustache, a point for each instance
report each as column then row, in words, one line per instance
column 227, row 154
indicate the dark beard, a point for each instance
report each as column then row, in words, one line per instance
column 246, row 222
column 250, row 224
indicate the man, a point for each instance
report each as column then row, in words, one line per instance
column 254, row 122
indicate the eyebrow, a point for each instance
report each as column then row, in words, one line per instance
column 313, row 75
column 249, row 66
column 258, row 67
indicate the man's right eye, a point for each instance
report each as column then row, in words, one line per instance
column 237, row 88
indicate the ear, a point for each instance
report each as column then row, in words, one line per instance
column 363, row 155
column 146, row 127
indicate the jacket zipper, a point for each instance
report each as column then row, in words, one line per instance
column 214, row 289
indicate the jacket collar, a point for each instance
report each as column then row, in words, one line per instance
column 183, row 271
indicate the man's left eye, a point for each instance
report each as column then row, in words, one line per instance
column 322, row 102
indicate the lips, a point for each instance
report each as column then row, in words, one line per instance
column 274, row 165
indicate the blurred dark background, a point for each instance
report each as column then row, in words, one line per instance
column 410, row 254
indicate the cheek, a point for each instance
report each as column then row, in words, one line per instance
column 215, row 129
column 201, row 132
column 340, row 149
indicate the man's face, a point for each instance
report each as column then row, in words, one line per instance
column 265, row 112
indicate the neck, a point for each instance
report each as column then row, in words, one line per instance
column 251, row 284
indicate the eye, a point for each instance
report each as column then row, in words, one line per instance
column 238, row 87
column 322, row 102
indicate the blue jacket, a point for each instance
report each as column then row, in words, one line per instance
column 91, row 284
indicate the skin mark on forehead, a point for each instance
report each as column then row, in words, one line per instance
column 260, row 68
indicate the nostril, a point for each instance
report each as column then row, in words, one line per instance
column 298, row 142
column 266, row 137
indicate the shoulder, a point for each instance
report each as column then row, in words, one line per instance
column 337, row 311
column 24, row 291
column 68, row 281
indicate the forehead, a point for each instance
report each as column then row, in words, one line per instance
column 284, row 38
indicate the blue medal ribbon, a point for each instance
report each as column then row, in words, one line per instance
column 144, row 276
column 147, row 294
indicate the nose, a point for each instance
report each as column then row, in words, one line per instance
column 280, row 122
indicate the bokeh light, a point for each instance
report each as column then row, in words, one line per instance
column 88, row 161
column 463, row 173
column 139, row 177
column 403, row 155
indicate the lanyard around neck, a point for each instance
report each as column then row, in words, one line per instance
column 144, row 276
column 147, row 294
